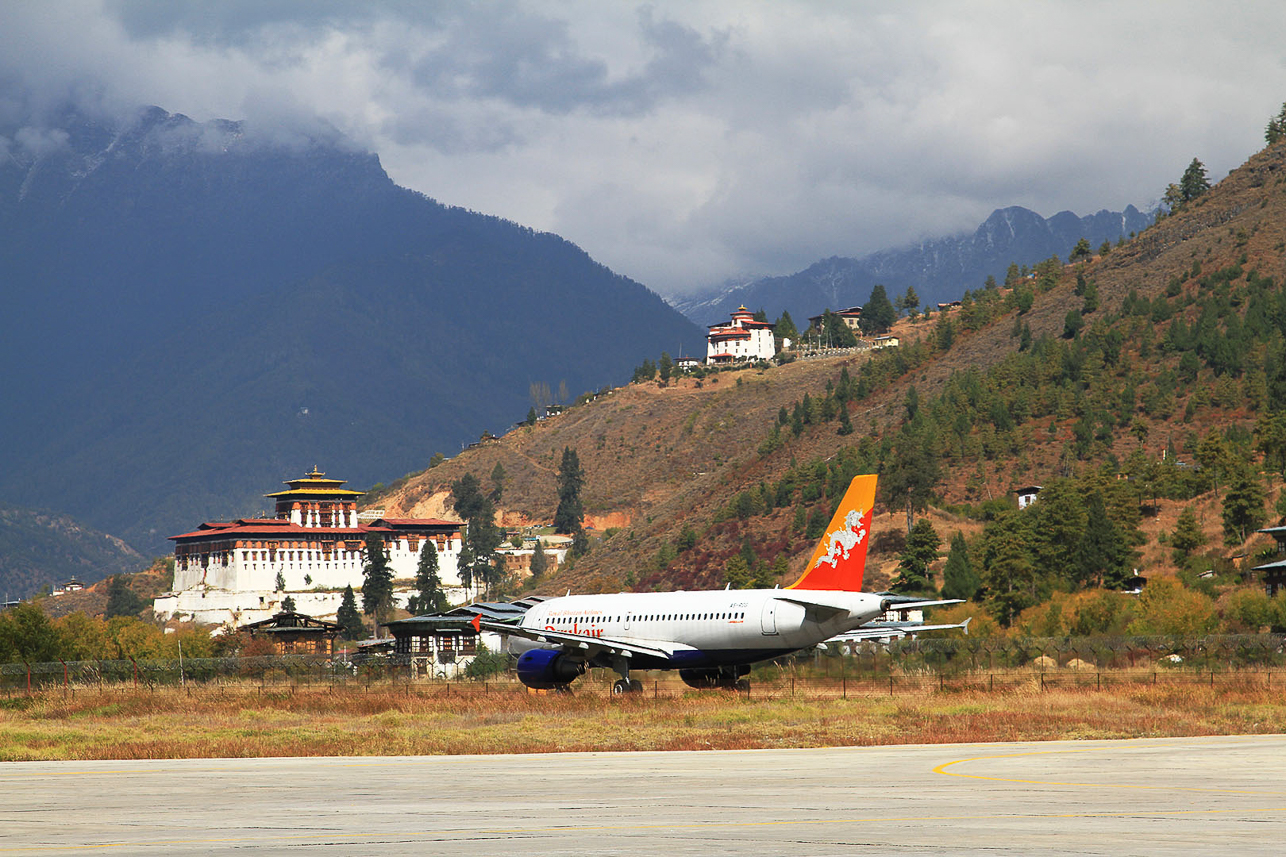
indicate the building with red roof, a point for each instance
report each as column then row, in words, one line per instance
column 314, row 546
column 741, row 340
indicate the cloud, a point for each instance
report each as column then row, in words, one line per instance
column 679, row 142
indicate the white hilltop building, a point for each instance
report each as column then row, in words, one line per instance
column 227, row 573
column 741, row 340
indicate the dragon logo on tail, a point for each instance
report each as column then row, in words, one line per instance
column 840, row 541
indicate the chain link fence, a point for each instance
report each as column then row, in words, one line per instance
column 907, row 666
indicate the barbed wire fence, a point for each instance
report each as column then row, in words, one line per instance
column 906, row 666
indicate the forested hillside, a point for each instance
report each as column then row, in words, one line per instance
column 1143, row 386
column 200, row 310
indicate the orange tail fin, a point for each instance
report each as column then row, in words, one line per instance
column 840, row 557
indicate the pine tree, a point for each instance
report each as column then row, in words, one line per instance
column 428, row 580
column 1187, row 536
column 1243, row 505
column 121, row 600
column 288, row 604
column 785, row 328
column 666, row 368
column 845, row 424
column 349, row 618
column 959, row 580
column 1194, row 182
column 570, row 514
column 1102, row 554
column 736, row 574
column 1276, row 127
column 913, row 566
column 878, row 313
column 377, row 580
column 539, row 563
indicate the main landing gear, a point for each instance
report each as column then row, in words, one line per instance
column 625, row 684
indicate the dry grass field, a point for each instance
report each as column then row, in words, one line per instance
column 248, row 720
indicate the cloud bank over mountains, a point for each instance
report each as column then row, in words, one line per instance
column 680, row 142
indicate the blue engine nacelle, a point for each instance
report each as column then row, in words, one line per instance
column 548, row 668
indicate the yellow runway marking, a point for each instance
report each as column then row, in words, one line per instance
column 942, row 769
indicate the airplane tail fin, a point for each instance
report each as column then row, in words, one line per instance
column 840, row 557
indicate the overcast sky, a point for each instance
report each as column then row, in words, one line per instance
column 684, row 142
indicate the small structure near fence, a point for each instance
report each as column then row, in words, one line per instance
column 442, row 645
column 294, row 633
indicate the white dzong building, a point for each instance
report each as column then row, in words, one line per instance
column 741, row 340
column 314, row 546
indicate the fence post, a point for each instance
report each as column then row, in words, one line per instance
column 28, row 677
column 844, row 682
column 890, row 684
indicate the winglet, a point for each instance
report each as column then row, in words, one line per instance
column 840, row 557
column 477, row 623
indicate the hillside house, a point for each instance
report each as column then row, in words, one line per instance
column 1027, row 495
column 852, row 318
column 1273, row 574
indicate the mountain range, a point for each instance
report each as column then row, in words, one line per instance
column 939, row 269
column 198, row 311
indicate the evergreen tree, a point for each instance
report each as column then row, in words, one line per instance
column 666, row 368
column 911, row 473
column 1276, row 127
column 497, row 482
column 477, row 561
column 785, row 328
column 569, row 517
column 1102, row 556
column 280, row 583
column 531, row 416
column 1243, row 505
column 845, row 424
column 121, row 600
column 959, row 580
column 913, row 566
column 1081, row 251
column 1187, row 536
column 377, row 580
column 349, row 618
column 288, row 604
column 817, row 521
column 428, row 582
column 1194, row 182
column 736, row 573
column 539, row 563
column 1010, row 576
column 878, row 313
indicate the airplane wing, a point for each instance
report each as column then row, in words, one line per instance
column 896, row 603
column 893, row 629
column 585, row 644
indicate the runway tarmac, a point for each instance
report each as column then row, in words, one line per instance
column 1180, row 796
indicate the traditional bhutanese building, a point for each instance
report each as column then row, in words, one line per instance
column 311, row 550
column 740, row 340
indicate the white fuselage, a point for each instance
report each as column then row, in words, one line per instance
column 708, row 628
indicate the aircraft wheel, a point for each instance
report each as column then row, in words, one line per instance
column 636, row 686
column 743, row 685
column 563, row 689
column 621, row 688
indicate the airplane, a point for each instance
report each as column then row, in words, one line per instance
column 711, row 637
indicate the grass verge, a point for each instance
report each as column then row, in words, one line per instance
column 247, row 721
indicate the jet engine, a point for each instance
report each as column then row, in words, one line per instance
column 548, row 669
column 714, row 677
